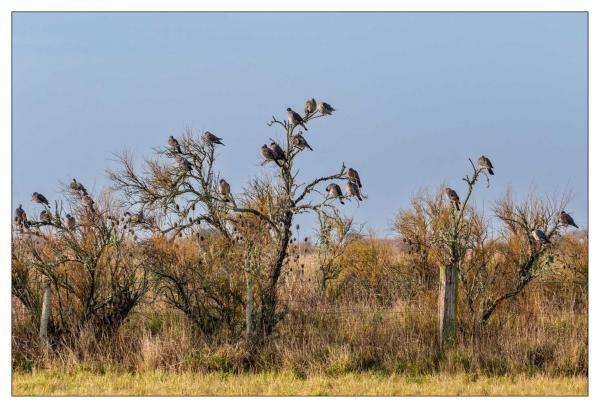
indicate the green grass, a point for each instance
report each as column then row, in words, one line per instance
column 54, row 382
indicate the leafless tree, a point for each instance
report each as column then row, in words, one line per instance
column 181, row 199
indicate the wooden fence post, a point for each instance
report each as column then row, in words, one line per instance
column 448, row 293
column 45, row 314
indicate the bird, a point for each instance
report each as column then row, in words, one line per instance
column 267, row 153
column 88, row 202
column 352, row 190
column 485, row 163
column 540, row 236
column 224, row 189
column 77, row 186
column 335, row 191
column 300, row 142
column 21, row 216
column 183, row 162
column 309, row 107
column 212, row 139
column 324, row 108
column 39, row 198
column 565, row 220
column 453, row 197
column 70, row 222
column 295, row 119
column 353, row 175
column 174, row 144
column 46, row 217
column 278, row 153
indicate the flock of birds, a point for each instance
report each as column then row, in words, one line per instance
column 275, row 153
column 271, row 153
column 564, row 219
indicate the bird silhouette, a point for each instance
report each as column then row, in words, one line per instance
column 453, row 196
column 88, row 202
column 183, row 162
column 300, row 142
column 324, row 108
column 540, row 236
column 335, row 191
column 565, row 220
column 40, row 199
column 45, row 217
column 266, row 153
column 485, row 163
column 21, row 217
column 224, row 189
column 352, row 190
column 353, row 175
column 174, row 144
column 70, row 222
column 295, row 119
column 77, row 186
column 309, row 107
column 278, row 153
column 211, row 139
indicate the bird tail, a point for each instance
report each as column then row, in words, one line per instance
column 311, row 149
column 491, row 172
column 457, row 205
column 575, row 225
column 302, row 124
column 341, row 201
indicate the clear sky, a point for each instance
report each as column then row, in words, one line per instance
column 416, row 95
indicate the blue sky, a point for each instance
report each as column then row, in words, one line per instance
column 416, row 95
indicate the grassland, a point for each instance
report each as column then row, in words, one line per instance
column 53, row 382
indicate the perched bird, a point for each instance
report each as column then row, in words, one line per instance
column 324, row 108
column 352, row 190
column 353, row 175
column 46, row 217
column 267, row 153
column 21, row 216
column 300, row 142
column 70, row 222
column 453, row 197
column 278, row 153
column 309, row 107
column 485, row 163
column 40, row 199
column 77, row 186
column 224, row 189
column 212, row 139
column 174, row 144
column 335, row 191
column 540, row 236
column 88, row 202
column 295, row 119
column 183, row 162
column 565, row 220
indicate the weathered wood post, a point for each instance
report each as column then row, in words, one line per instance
column 447, row 300
column 45, row 314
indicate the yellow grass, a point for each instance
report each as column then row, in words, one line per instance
column 53, row 382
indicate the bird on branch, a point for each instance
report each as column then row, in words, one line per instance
column 295, row 119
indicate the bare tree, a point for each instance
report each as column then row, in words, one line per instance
column 181, row 190
column 87, row 263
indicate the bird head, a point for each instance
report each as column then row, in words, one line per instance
column 289, row 109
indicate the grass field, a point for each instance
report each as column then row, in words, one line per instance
column 53, row 382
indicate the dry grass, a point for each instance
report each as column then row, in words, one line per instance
column 55, row 382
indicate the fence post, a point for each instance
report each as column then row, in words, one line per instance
column 448, row 293
column 45, row 315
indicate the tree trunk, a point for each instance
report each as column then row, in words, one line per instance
column 45, row 314
column 447, row 302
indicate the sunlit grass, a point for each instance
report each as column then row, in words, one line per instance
column 53, row 382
